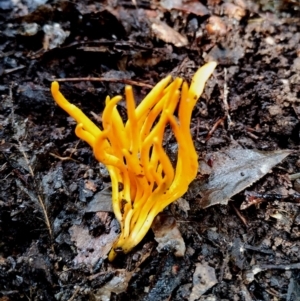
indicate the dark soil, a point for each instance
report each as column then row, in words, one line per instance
column 47, row 171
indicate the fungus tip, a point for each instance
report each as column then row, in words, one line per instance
column 55, row 85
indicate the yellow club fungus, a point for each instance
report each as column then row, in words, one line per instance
column 144, row 180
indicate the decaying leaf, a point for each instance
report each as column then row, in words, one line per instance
column 183, row 205
column 194, row 7
column 168, row 235
column 101, row 201
column 203, row 279
column 118, row 284
column 168, row 34
column 234, row 11
column 235, row 169
column 90, row 248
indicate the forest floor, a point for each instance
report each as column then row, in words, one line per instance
column 56, row 224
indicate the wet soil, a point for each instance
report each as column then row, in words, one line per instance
column 49, row 179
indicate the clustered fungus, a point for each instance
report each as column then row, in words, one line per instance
column 144, row 180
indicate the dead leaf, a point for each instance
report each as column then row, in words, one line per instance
column 118, row 284
column 168, row 235
column 183, row 205
column 234, row 11
column 101, row 201
column 168, row 34
column 90, row 248
column 235, row 169
column 90, row 185
column 140, row 59
column 216, row 26
column 203, row 279
column 194, row 7
column 170, row 4
column 226, row 56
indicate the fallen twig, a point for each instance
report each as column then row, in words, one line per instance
column 75, row 293
column 43, row 207
column 220, row 121
column 102, row 79
column 225, row 99
column 240, row 215
column 39, row 197
column 66, row 158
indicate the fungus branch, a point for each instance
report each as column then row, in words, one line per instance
column 133, row 151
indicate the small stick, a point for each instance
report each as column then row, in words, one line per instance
column 39, row 197
column 217, row 123
column 239, row 214
column 225, row 99
column 47, row 221
column 102, row 79
column 75, row 293
column 62, row 158
column 66, row 158
column 8, row 71
column 252, row 135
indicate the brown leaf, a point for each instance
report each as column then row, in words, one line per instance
column 168, row 235
column 101, row 201
column 190, row 7
column 90, row 248
column 168, row 34
column 235, row 169
column 216, row 26
column 118, row 284
column 90, row 185
column 234, row 11
column 203, row 279
column 193, row 7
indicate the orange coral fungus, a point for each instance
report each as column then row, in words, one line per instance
column 133, row 151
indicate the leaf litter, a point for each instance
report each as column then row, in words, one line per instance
column 89, row 248
column 168, row 236
column 204, row 278
column 235, row 169
column 259, row 47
